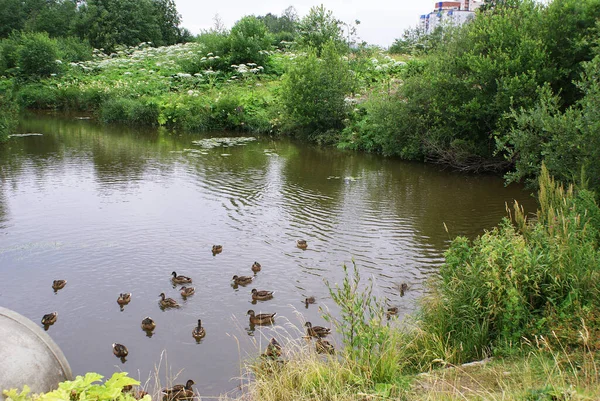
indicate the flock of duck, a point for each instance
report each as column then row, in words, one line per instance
column 273, row 350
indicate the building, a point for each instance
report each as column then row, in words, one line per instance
column 449, row 13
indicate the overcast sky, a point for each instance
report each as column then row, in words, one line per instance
column 381, row 21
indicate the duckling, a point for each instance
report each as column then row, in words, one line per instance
column 316, row 331
column 148, row 324
column 49, row 319
column 309, row 300
column 217, row 249
column 242, row 280
column 167, row 302
column 187, row 291
column 199, row 332
column 256, row 267
column 301, row 244
column 263, row 318
column 324, row 347
column 180, row 279
column 273, row 350
column 261, row 295
column 120, row 350
column 124, row 299
column 391, row 311
column 179, row 391
column 58, row 284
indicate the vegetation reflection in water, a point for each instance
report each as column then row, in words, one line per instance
column 116, row 210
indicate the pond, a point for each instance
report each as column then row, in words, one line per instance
column 115, row 210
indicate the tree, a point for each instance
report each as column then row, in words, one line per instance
column 12, row 17
column 168, row 20
column 313, row 94
column 319, row 27
column 248, row 40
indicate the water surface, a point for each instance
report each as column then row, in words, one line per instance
column 114, row 210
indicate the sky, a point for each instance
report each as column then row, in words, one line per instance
column 381, row 21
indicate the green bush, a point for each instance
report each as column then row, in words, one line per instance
column 37, row 96
column 73, row 49
column 8, row 113
column 518, row 282
column 249, row 42
column 37, row 56
column 9, row 49
column 313, row 94
column 130, row 111
column 83, row 389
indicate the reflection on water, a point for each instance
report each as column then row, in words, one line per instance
column 116, row 210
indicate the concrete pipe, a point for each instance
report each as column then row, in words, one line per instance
column 28, row 356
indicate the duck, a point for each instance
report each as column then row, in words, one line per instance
column 273, row 350
column 49, row 318
column 187, row 291
column 262, row 318
column 256, row 267
column 148, row 324
column 180, row 279
column 261, row 295
column 180, row 391
column 124, row 299
column 324, row 347
column 309, row 300
column 301, row 244
column 199, row 331
column 120, row 350
column 217, row 249
column 167, row 302
column 403, row 288
column 316, row 331
column 58, row 284
column 241, row 280
column 391, row 311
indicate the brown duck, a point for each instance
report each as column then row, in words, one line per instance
column 324, row 347
column 124, row 299
column 167, row 302
column 187, row 291
column 256, row 267
column 148, row 324
column 316, row 331
column 180, row 279
column 273, row 350
column 180, row 391
column 120, row 350
column 261, row 295
column 242, row 280
column 262, row 318
column 49, row 318
column 199, row 332
column 58, row 284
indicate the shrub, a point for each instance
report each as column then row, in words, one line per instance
column 8, row 114
column 73, row 49
column 313, row 94
column 130, row 111
column 249, row 42
column 83, row 388
column 518, row 282
column 37, row 55
column 37, row 96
